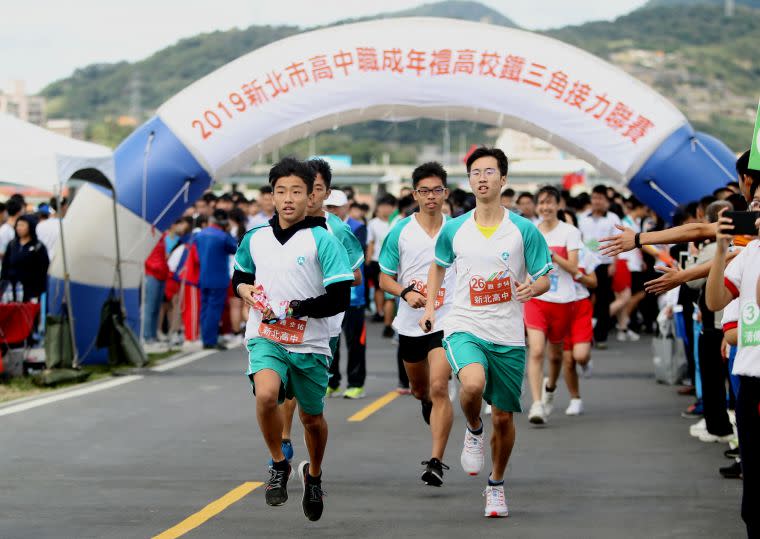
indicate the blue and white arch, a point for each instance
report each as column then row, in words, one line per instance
column 397, row 69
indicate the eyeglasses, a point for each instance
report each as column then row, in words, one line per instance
column 438, row 191
column 488, row 173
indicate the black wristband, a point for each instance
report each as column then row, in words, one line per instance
column 405, row 291
column 637, row 240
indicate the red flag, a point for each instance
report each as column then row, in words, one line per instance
column 469, row 153
column 572, row 179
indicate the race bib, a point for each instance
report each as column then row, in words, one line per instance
column 288, row 331
column 750, row 325
column 498, row 289
column 421, row 287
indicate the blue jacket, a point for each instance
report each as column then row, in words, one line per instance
column 214, row 247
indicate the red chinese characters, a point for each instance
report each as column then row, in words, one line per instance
column 497, row 290
column 288, row 331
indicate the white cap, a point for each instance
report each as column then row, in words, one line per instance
column 337, row 198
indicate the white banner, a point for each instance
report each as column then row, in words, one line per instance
column 421, row 67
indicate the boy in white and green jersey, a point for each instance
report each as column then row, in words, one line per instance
column 405, row 260
column 501, row 261
column 306, row 278
column 355, row 253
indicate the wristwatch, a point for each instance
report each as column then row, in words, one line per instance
column 637, row 240
column 405, row 291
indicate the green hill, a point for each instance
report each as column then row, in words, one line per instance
column 678, row 3
column 702, row 61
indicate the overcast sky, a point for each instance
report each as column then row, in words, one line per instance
column 44, row 40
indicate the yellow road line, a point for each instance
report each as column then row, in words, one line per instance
column 370, row 409
column 211, row 510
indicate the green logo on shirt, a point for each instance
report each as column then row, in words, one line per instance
column 301, row 260
column 505, row 256
column 750, row 330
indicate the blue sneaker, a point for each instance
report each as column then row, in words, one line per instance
column 287, row 450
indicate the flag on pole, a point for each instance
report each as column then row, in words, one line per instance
column 574, row 178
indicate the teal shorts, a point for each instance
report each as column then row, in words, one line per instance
column 504, row 367
column 334, row 342
column 303, row 376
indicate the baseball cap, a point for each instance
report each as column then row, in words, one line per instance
column 336, row 198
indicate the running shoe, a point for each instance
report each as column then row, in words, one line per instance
column 731, row 452
column 694, row 411
column 354, row 393
column 536, row 416
column 575, row 407
column 496, row 501
column 277, row 486
column 287, row 450
column 427, row 407
column 601, row 345
column 333, row 392
column 388, row 332
column 403, row 390
column 433, row 474
column 709, row 437
column 621, row 336
column 698, row 428
column 632, row 335
column 313, row 495
column 473, row 452
column 547, row 398
column 732, row 471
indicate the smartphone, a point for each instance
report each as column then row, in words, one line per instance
column 744, row 222
column 683, row 259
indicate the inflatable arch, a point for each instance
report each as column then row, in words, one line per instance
column 394, row 69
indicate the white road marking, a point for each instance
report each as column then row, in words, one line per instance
column 169, row 365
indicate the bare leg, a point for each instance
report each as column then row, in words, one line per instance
column 236, row 305
column 473, row 380
column 419, row 379
column 571, row 377
column 315, row 433
column 388, row 309
column 502, row 441
column 555, row 364
column 442, row 415
column 268, row 384
column 288, row 410
column 536, row 344
column 621, row 300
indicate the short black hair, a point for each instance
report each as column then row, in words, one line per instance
column 508, row 192
column 226, row 197
column 742, row 169
column 551, row 191
column 706, row 201
column 523, row 195
column 732, row 184
column 406, row 202
column 738, row 202
column 220, row 216
column 496, row 153
column 427, row 170
column 209, row 197
column 290, row 166
column 600, row 190
column 634, row 202
column 2, row 207
column 13, row 207
column 266, row 189
column 19, row 198
column 322, row 167
column 387, row 199
column 720, row 190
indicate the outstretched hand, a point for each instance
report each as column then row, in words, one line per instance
column 622, row 243
column 670, row 278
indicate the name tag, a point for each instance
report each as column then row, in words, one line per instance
column 288, row 331
column 421, row 287
column 496, row 290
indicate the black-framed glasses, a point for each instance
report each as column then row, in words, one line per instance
column 437, row 191
column 488, row 173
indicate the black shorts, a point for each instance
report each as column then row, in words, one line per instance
column 372, row 273
column 415, row 349
column 638, row 278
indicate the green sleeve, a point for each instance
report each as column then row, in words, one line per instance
column 333, row 258
column 538, row 260
column 389, row 255
column 444, row 245
column 243, row 255
column 350, row 243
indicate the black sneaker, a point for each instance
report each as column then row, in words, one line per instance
column 732, row 453
column 427, row 406
column 312, row 502
column 433, row 474
column 388, row 332
column 733, row 471
column 277, row 486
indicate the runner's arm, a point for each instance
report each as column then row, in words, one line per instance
column 626, row 241
column 436, row 275
column 717, row 294
column 335, row 300
column 569, row 264
column 390, row 285
column 587, row 280
column 673, row 277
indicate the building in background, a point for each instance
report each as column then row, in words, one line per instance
column 15, row 101
column 68, row 128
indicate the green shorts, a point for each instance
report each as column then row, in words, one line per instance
column 504, row 367
column 303, row 376
column 334, row 342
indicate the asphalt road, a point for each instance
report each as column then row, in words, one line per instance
column 137, row 459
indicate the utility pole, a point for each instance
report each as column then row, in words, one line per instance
column 729, row 7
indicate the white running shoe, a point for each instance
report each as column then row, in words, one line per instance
column 712, row 438
column 622, row 336
column 632, row 335
column 698, row 428
column 473, row 452
column 488, row 409
column 536, row 415
column 575, row 408
column 496, row 502
column 547, row 398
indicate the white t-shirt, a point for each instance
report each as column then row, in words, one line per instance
column 587, row 263
column 7, row 233
column 488, row 270
column 634, row 259
column 730, row 317
column 741, row 279
column 562, row 239
column 407, row 254
column 309, row 261
column 377, row 229
column 48, row 232
column 594, row 228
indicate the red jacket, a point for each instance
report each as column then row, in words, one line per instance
column 156, row 264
